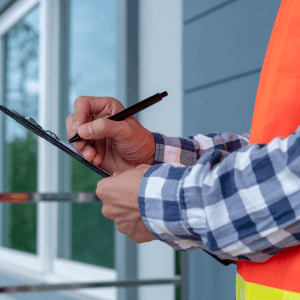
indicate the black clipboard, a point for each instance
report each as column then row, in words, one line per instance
column 52, row 138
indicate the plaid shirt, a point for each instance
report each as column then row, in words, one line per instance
column 217, row 192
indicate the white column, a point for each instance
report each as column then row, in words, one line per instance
column 48, row 119
column 160, row 51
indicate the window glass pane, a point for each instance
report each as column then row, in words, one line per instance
column 21, row 94
column 93, row 64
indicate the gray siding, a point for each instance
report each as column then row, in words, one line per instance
column 194, row 8
column 224, row 44
column 222, row 52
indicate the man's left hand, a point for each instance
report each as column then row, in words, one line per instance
column 119, row 195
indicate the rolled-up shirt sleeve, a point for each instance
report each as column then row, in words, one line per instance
column 187, row 151
column 237, row 201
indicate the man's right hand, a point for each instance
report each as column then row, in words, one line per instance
column 114, row 146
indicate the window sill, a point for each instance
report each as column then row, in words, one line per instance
column 64, row 271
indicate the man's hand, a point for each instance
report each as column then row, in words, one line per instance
column 119, row 195
column 113, row 146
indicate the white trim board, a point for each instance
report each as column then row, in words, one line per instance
column 15, row 13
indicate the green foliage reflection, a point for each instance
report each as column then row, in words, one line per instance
column 22, row 177
column 92, row 233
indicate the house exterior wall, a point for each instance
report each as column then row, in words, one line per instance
column 224, row 44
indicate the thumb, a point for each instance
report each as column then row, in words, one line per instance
column 101, row 128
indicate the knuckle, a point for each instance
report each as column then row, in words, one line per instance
column 113, row 100
column 120, row 228
column 79, row 99
column 115, row 104
column 76, row 101
column 105, row 212
column 102, row 186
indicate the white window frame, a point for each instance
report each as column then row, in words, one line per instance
column 45, row 266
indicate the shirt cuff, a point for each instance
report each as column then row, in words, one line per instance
column 161, row 208
column 173, row 150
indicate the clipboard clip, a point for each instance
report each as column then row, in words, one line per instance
column 48, row 131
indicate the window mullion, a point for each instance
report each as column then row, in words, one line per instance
column 48, row 155
column 65, row 163
column 126, row 251
column 2, row 141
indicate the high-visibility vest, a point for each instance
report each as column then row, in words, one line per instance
column 276, row 114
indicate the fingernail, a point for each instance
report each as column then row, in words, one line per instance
column 90, row 129
column 75, row 125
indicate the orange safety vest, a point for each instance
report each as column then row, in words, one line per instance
column 276, row 114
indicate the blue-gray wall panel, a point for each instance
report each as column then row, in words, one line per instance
column 209, row 280
column 226, row 42
column 222, row 108
column 192, row 8
column 230, row 41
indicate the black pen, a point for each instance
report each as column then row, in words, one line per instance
column 128, row 111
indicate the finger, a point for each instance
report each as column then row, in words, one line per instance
column 69, row 126
column 72, row 129
column 100, row 146
column 97, row 160
column 96, row 106
column 99, row 106
column 88, row 150
column 102, row 128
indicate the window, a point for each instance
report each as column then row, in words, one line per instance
column 31, row 47
column 77, row 55
column 92, row 73
column 21, row 44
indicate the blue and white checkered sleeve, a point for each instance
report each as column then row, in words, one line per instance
column 240, row 205
column 187, row 151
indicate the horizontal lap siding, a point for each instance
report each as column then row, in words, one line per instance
column 230, row 41
column 224, row 44
column 220, row 108
column 193, row 8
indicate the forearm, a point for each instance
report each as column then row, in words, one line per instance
column 240, row 205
